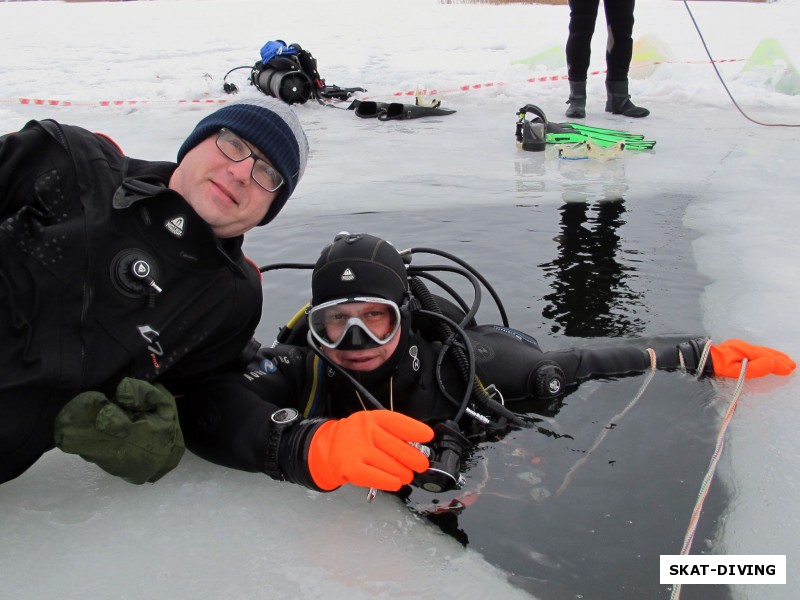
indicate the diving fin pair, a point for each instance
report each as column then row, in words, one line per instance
column 534, row 131
column 392, row 111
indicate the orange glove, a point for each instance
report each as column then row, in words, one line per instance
column 727, row 360
column 369, row 449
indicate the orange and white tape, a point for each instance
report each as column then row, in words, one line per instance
column 421, row 92
column 57, row 102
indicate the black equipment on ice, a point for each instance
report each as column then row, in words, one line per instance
column 531, row 134
column 289, row 73
column 282, row 78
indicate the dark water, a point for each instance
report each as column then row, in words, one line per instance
column 562, row 521
column 564, row 270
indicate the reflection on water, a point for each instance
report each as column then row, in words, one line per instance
column 573, row 180
column 591, row 296
column 588, row 180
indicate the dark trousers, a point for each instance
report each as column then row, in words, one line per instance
column 619, row 49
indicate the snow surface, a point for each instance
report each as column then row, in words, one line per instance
column 70, row 531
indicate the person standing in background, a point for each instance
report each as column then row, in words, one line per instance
column 619, row 50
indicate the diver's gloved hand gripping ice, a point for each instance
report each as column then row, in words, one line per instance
column 368, row 449
column 727, row 358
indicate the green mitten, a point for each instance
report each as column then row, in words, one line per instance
column 135, row 436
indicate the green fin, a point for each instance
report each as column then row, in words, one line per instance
column 564, row 133
column 599, row 139
column 589, row 129
column 566, row 138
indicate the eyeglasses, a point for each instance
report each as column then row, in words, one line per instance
column 332, row 322
column 235, row 148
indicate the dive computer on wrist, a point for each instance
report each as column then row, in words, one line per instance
column 281, row 419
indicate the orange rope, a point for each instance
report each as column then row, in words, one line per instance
column 704, row 487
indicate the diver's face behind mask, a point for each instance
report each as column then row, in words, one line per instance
column 357, row 323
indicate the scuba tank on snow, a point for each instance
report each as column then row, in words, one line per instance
column 282, row 78
column 289, row 73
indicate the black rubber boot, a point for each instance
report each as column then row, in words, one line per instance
column 577, row 100
column 619, row 101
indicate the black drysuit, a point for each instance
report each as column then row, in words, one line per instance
column 619, row 48
column 77, row 218
column 227, row 419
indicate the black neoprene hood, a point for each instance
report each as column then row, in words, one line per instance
column 359, row 265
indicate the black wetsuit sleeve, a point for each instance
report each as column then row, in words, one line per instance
column 225, row 421
column 225, row 417
column 509, row 359
column 229, row 341
column 630, row 356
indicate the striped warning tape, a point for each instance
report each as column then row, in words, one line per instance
column 56, row 102
column 541, row 79
column 422, row 92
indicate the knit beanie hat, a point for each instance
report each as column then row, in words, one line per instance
column 269, row 125
column 359, row 265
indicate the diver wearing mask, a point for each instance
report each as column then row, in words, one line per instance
column 325, row 406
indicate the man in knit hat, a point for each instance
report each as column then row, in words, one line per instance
column 264, row 129
column 117, row 273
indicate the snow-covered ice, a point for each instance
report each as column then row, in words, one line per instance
column 70, row 531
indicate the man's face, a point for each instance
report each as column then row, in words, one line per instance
column 380, row 321
column 363, row 360
column 221, row 191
